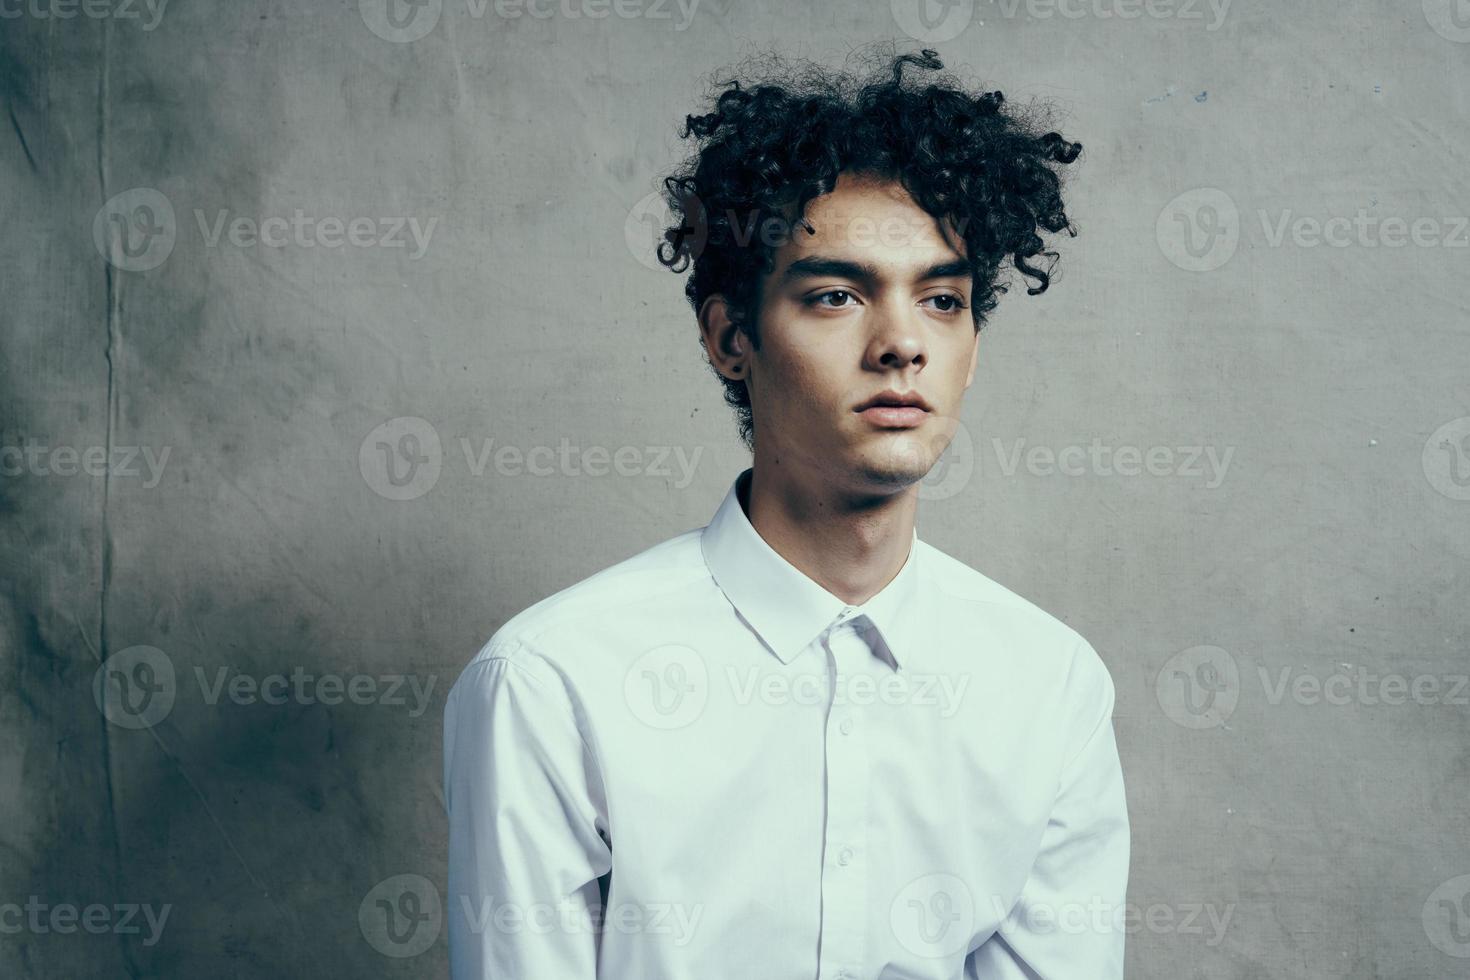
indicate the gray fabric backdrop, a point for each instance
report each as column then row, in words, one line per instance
column 381, row 360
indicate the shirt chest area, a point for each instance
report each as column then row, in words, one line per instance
column 894, row 812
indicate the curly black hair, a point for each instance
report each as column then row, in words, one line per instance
column 770, row 146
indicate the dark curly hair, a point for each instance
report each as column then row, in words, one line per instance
column 770, row 146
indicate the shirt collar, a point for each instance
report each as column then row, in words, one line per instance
column 786, row 608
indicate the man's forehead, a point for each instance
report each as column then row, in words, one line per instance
column 867, row 217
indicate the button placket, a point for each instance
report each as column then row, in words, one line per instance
column 845, row 884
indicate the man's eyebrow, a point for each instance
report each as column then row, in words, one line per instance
column 816, row 266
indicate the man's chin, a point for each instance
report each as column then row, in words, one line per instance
column 897, row 459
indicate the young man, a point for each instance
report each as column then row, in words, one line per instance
column 799, row 742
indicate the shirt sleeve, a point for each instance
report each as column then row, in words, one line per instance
column 528, row 832
column 1068, row 923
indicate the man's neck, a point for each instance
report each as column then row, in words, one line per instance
column 852, row 548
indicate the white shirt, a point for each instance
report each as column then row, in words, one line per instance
column 773, row 784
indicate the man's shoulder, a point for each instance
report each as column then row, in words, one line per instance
column 639, row 584
column 962, row 587
column 1050, row 644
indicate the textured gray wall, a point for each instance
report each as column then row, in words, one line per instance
column 1286, row 624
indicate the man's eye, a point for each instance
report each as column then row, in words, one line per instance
column 955, row 303
column 817, row 300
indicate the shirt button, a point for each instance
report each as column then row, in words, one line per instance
column 846, row 726
column 844, row 856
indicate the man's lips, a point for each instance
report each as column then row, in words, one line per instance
column 895, row 416
column 895, row 410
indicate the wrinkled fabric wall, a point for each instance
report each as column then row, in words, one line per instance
column 331, row 340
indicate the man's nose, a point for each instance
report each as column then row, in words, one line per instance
column 897, row 340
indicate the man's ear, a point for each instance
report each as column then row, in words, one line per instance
column 726, row 345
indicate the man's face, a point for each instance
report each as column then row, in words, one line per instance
column 875, row 301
